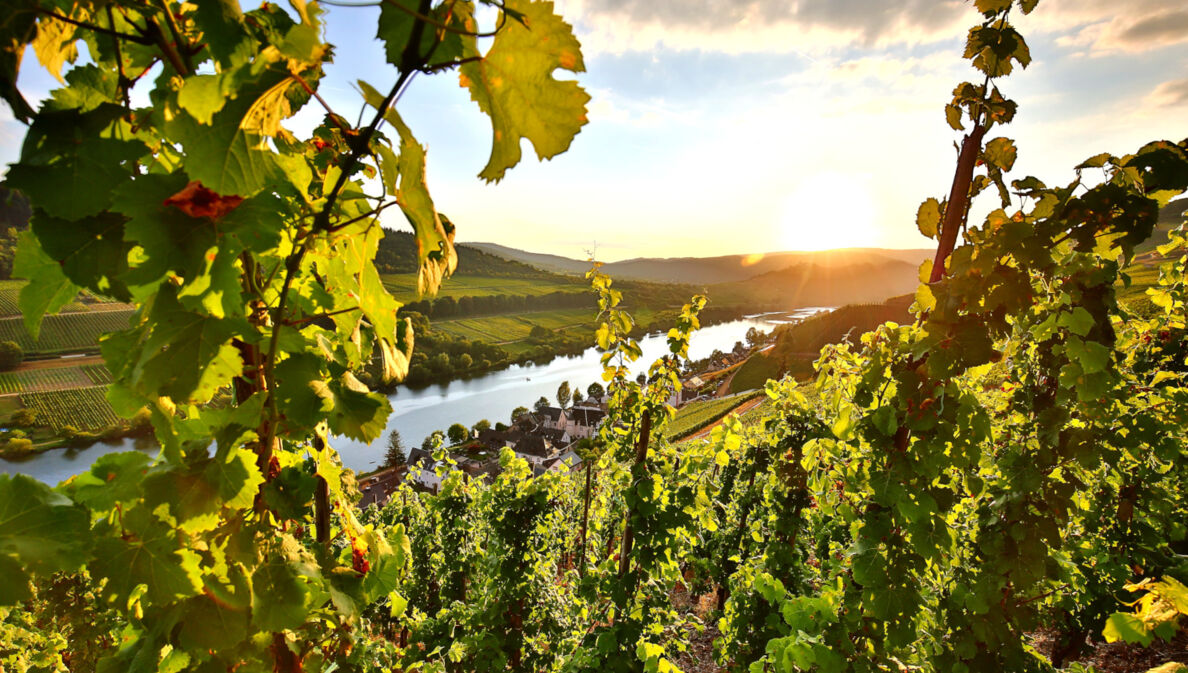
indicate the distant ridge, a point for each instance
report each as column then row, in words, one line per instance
column 709, row 270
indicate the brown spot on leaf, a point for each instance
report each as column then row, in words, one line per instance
column 196, row 200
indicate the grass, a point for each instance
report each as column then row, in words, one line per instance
column 403, row 286
column 697, row 415
column 65, row 333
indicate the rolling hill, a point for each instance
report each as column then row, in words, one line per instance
column 708, row 270
column 815, row 284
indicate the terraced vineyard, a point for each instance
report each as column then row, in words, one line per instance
column 80, row 408
column 58, row 378
column 65, row 333
column 98, row 374
column 696, row 415
column 10, row 291
column 403, row 286
column 500, row 329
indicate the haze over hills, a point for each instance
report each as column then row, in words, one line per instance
column 711, row 270
column 817, row 284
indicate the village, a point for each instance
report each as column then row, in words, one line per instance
column 549, row 438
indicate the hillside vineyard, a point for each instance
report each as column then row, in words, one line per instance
column 973, row 488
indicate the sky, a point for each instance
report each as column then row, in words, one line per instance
column 741, row 126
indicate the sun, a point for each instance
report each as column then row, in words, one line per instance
column 829, row 210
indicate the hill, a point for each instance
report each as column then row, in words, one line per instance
column 398, row 254
column 798, row 345
column 708, row 270
column 815, row 284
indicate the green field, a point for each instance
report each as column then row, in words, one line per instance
column 696, row 415
column 508, row 328
column 403, row 286
column 65, row 333
column 33, row 380
column 81, row 408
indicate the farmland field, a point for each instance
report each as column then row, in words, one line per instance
column 403, row 286
column 504, row 328
column 697, row 415
column 80, row 408
column 66, row 332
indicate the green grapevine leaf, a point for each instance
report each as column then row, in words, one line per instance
column 73, row 152
column 48, row 288
column 41, row 532
column 150, row 553
column 513, row 84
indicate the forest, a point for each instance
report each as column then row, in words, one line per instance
column 993, row 482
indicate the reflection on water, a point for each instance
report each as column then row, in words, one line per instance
column 416, row 413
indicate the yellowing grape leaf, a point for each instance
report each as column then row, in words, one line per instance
column 514, row 85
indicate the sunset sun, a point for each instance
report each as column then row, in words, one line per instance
column 828, row 210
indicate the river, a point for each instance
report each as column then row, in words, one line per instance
column 416, row 413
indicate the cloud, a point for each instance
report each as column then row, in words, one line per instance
column 1099, row 26
column 819, row 26
column 1169, row 94
column 738, row 26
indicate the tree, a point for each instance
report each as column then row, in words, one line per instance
column 595, row 390
column 395, row 454
column 541, row 404
column 481, row 426
column 564, row 394
column 11, row 355
column 518, row 413
column 577, row 396
column 457, row 433
column 754, row 337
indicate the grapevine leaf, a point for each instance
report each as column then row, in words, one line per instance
column 928, row 217
column 68, row 151
column 48, row 288
column 226, row 155
column 396, row 21
column 114, row 478
column 278, row 596
column 56, row 42
column 91, row 251
column 1127, row 628
column 210, row 626
column 204, row 95
column 149, row 553
column 1001, row 153
column 992, row 6
column 42, row 531
column 188, row 356
column 221, row 22
column 434, row 233
column 513, row 84
column 356, row 412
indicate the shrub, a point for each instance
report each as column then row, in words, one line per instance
column 11, row 355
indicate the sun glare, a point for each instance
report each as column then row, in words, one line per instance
column 829, row 210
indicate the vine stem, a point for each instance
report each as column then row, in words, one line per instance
column 641, row 455
column 322, row 224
